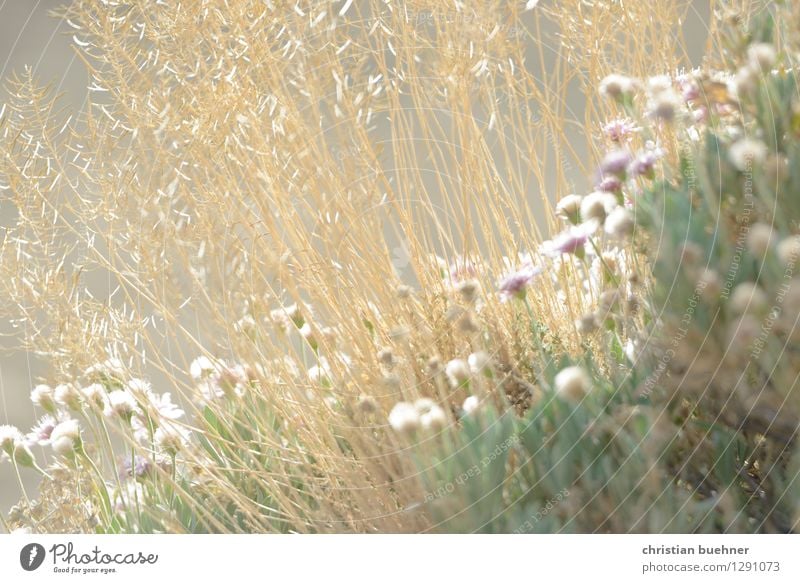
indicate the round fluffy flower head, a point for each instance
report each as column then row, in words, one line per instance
column 41, row 432
column 42, row 396
column 121, row 404
column 617, row 87
column 789, row 250
column 748, row 297
column 201, row 368
column 140, row 389
column 110, row 371
column 469, row 290
column 65, row 438
column 620, row 130
column 434, row 419
column 747, row 153
column 620, row 223
column 171, row 438
column 569, row 208
column 470, row 405
column 571, row 241
column 645, row 164
column 572, row 384
column 457, row 372
column 480, row 363
column 95, row 395
column 610, row 184
column 10, row 436
column 69, row 396
column 515, row 284
column 761, row 56
column 665, row 105
column 597, row 205
column 404, row 418
column 616, row 163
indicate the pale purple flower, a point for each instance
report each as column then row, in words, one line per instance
column 41, row 432
column 463, row 268
column 645, row 162
column 514, row 284
column 615, row 163
column 571, row 241
column 620, row 130
column 610, row 184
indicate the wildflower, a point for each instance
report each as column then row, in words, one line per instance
column 404, row 418
column 761, row 56
column 620, row 223
column 571, row 241
column 463, row 268
column 644, row 164
column 468, row 289
column 710, row 285
column 434, row 366
column 433, row 418
column 42, row 431
column 746, row 152
column 759, row 239
column 610, row 184
column 171, row 438
column 96, row 396
column 572, row 384
column 467, row 323
column 616, row 163
column 110, row 371
column 68, row 395
column 457, row 372
column 403, row 292
column 480, row 363
column 470, row 405
column 568, row 208
column 386, row 357
column 597, row 205
column 140, row 389
column 65, row 438
column 744, row 83
column 162, row 407
column 121, row 404
column 201, row 368
column 659, row 84
column 42, row 396
column 10, row 436
column 620, row 130
column 515, row 284
column 748, row 297
column 367, row 404
column 586, row 324
column 139, row 468
column 287, row 316
column 665, row 105
column 617, row 87
column 789, row 250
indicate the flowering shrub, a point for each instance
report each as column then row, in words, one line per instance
column 633, row 372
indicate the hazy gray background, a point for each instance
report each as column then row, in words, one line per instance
column 29, row 36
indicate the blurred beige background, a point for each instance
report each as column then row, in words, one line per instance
column 29, row 36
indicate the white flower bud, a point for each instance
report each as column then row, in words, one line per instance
column 572, row 384
column 748, row 297
column 42, row 396
column 470, row 405
column 457, row 372
column 761, row 56
column 789, row 250
column 66, row 438
column 620, row 223
column 404, row 418
column 569, row 208
column 480, row 363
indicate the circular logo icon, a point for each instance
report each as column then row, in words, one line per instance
column 31, row 556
